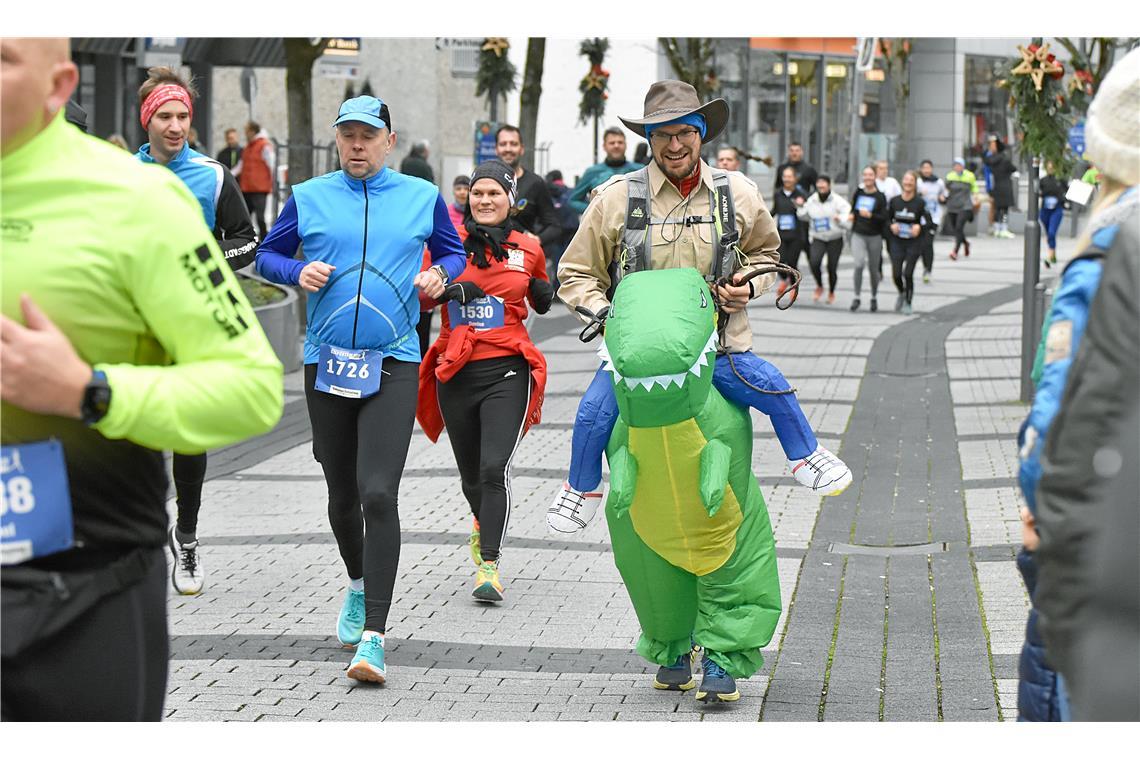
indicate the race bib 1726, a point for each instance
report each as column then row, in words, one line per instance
column 348, row 372
column 35, row 502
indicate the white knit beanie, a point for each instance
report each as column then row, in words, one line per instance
column 1112, row 131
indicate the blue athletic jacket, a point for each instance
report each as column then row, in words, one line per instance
column 373, row 231
column 223, row 206
column 1068, row 316
column 202, row 174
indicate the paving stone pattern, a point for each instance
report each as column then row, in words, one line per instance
column 876, row 624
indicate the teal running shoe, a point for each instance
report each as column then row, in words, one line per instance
column 368, row 662
column 350, row 624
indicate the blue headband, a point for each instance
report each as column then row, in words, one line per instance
column 692, row 119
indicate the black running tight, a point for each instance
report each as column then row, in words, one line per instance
column 483, row 406
column 189, row 474
column 362, row 445
column 957, row 221
column 904, row 256
column 815, row 257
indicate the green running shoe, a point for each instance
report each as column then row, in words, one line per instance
column 488, row 587
column 473, row 544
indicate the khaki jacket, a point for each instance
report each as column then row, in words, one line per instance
column 584, row 268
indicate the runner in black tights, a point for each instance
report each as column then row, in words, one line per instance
column 363, row 231
column 484, row 378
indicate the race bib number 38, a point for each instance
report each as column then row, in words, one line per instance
column 348, row 372
column 35, row 503
column 481, row 313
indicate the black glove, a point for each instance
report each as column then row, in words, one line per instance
column 463, row 292
column 542, row 293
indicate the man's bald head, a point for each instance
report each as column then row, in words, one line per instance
column 37, row 78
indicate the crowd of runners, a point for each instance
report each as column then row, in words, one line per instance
column 96, row 388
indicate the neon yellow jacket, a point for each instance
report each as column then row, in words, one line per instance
column 117, row 255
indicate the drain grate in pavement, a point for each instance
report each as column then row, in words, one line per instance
column 887, row 551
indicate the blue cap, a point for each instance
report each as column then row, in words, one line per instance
column 366, row 109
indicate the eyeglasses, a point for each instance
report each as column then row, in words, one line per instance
column 662, row 139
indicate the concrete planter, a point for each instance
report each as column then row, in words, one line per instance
column 280, row 322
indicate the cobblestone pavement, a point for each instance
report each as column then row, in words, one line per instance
column 902, row 601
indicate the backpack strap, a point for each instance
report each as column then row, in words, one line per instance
column 725, row 260
column 634, row 252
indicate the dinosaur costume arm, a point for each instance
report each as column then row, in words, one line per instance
column 715, row 458
column 623, row 479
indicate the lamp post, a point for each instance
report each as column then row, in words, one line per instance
column 1032, row 290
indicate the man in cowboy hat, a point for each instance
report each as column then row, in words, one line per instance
column 693, row 216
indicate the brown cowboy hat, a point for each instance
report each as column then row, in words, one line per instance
column 670, row 99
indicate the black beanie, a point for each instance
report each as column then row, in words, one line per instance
column 500, row 172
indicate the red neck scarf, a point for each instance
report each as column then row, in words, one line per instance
column 686, row 185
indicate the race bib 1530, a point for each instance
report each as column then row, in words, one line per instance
column 348, row 372
column 481, row 313
column 35, row 502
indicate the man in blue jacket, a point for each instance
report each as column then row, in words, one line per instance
column 363, row 231
column 166, row 110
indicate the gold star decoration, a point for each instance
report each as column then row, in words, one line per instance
column 595, row 82
column 1037, row 72
column 496, row 44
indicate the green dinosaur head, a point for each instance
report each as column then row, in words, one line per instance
column 660, row 346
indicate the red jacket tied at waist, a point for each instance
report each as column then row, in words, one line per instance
column 450, row 353
column 509, row 280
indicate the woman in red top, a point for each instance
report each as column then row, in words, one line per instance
column 484, row 378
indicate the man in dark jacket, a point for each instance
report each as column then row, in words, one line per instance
column 567, row 218
column 231, row 154
column 536, row 213
column 1087, row 510
column 805, row 172
column 415, row 164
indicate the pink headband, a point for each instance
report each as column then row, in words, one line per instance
column 163, row 94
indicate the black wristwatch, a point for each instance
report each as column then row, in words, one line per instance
column 96, row 398
column 438, row 269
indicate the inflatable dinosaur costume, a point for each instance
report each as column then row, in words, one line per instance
column 689, row 527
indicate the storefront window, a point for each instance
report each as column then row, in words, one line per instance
column 803, row 106
column 986, row 106
column 766, row 116
column 837, row 119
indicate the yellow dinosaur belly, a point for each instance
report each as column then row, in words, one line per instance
column 667, row 510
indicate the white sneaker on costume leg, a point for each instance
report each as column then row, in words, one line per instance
column 572, row 510
column 822, row 472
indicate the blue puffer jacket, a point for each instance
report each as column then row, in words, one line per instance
column 1039, row 692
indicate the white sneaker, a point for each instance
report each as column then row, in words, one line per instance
column 822, row 472
column 572, row 510
column 187, row 576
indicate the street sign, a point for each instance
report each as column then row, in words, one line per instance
column 1077, row 138
column 160, row 51
column 337, row 70
column 485, row 140
column 450, row 43
column 343, row 46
